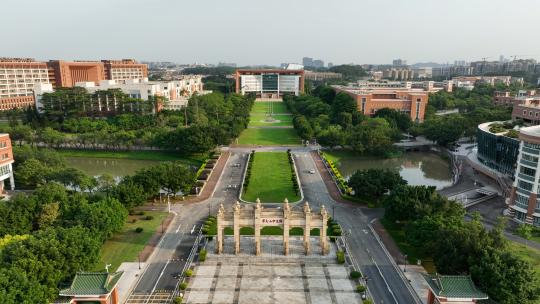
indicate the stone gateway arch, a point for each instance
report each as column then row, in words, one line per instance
column 258, row 217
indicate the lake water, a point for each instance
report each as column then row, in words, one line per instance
column 417, row 168
column 113, row 166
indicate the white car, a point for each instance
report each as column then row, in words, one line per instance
column 311, row 171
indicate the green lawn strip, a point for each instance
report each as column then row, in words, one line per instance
column 196, row 159
column 397, row 232
column 270, row 179
column 269, row 137
column 125, row 245
column 262, row 107
column 529, row 254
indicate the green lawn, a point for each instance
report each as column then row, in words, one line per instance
column 529, row 254
column 259, row 120
column 195, row 160
column 262, row 107
column 270, row 179
column 269, row 137
column 125, row 245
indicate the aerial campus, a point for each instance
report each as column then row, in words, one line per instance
column 263, row 176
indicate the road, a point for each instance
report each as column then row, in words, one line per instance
column 171, row 252
column 385, row 284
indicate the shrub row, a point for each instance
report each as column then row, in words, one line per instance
column 294, row 179
column 209, row 225
column 248, row 170
column 342, row 183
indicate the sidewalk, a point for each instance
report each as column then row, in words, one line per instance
column 413, row 272
column 129, row 278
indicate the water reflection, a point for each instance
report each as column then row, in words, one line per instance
column 113, row 166
column 417, row 168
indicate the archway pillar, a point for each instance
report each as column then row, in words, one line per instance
column 219, row 225
column 236, row 227
column 307, row 228
column 323, row 239
column 257, row 227
column 286, row 226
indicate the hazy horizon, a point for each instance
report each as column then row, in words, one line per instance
column 241, row 32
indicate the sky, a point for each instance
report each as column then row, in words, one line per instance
column 255, row 32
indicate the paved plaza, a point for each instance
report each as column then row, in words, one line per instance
column 271, row 278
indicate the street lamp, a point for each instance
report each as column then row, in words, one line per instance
column 139, row 256
column 405, row 268
column 169, row 202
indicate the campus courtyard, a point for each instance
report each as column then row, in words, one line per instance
column 270, row 277
column 270, row 125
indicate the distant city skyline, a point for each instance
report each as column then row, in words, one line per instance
column 271, row 32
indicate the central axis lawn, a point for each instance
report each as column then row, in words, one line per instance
column 269, row 137
column 270, row 179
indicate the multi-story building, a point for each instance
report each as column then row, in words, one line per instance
column 17, row 79
column 524, row 205
column 506, row 98
column 269, row 83
column 399, row 74
column 176, row 93
column 498, row 147
column 68, row 73
column 399, row 62
column 406, row 100
column 527, row 109
column 6, row 161
column 124, row 69
column 318, row 76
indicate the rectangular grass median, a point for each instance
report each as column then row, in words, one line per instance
column 270, row 179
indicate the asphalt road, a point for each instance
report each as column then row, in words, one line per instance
column 170, row 255
column 385, row 285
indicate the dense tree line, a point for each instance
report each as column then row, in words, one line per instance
column 475, row 107
column 208, row 120
column 436, row 228
column 48, row 235
column 333, row 119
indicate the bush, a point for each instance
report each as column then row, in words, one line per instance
column 149, row 217
column 336, row 232
column 202, row 255
column 360, row 288
column 177, row 300
column 367, row 301
column 139, row 229
column 183, row 286
column 340, row 257
column 188, row 273
column 140, row 212
column 134, row 220
column 355, row 275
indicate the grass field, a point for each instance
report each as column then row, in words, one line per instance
column 269, row 137
column 195, row 160
column 262, row 107
column 258, row 120
column 270, row 179
column 125, row 245
column 529, row 254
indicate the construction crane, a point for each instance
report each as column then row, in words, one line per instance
column 484, row 58
column 516, row 56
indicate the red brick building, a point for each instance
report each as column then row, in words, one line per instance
column 6, row 161
column 370, row 100
column 17, row 79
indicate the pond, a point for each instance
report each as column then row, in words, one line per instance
column 113, row 166
column 417, row 168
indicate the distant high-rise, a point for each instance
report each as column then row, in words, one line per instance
column 318, row 63
column 307, row 61
column 330, row 64
column 399, row 62
column 227, row 64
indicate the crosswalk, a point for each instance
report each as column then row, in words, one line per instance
column 158, row 297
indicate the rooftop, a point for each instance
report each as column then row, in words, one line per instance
column 92, row 283
column 454, row 286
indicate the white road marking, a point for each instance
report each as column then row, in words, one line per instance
column 178, row 229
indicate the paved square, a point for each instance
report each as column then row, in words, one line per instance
column 270, row 278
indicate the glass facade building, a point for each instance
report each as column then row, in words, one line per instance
column 496, row 150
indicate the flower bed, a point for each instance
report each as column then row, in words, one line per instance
column 336, row 175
